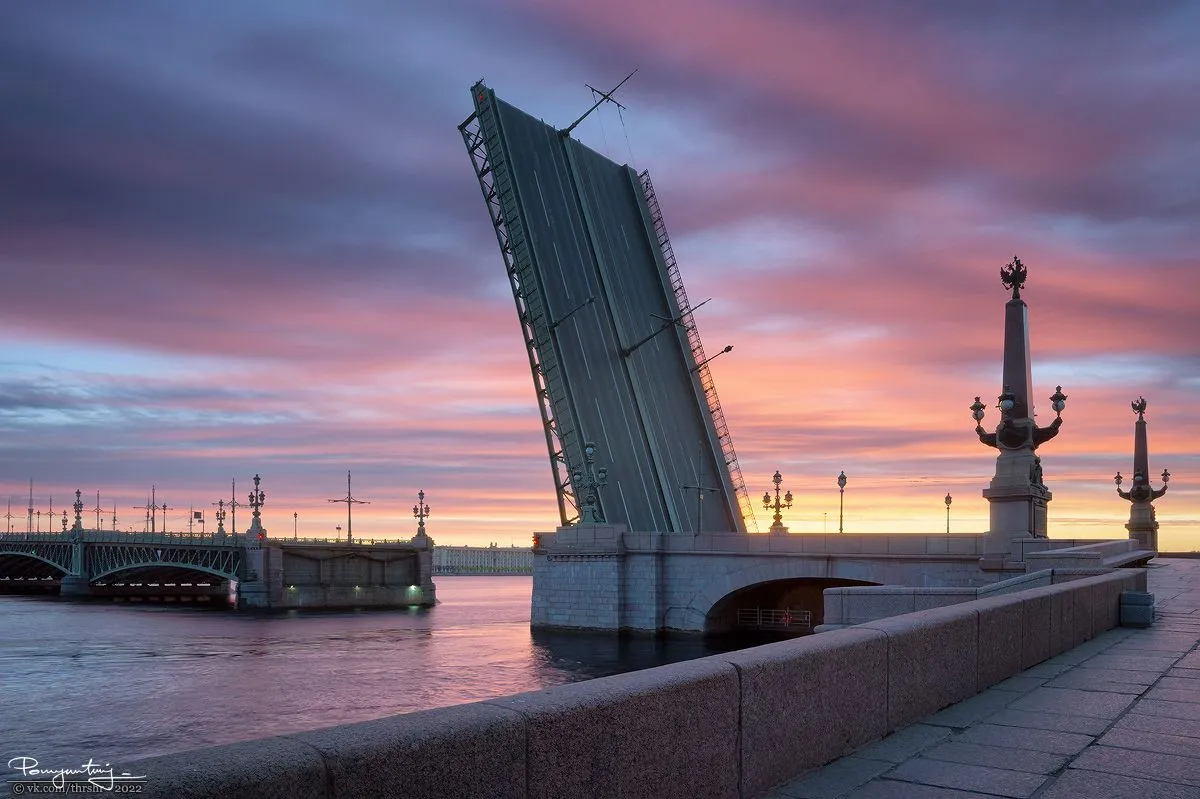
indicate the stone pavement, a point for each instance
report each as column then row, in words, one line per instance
column 1116, row 717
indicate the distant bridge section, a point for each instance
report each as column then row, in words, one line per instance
column 267, row 574
column 613, row 348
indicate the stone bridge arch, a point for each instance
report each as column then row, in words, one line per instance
column 770, row 581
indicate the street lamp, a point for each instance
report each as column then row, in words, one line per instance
column 295, row 525
column 339, row 532
column 777, row 505
column 841, row 498
column 949, row 499
column 591, row 480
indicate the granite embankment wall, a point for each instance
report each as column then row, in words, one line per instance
column 730, row 725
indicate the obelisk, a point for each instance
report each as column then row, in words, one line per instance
column 1143, row 526
column 1017, row 495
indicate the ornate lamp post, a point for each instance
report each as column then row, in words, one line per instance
column 1142, row 526
column 777, row 527
column 295, row 525
column 949, row 499
column 1017, row 495
column 221, row 517
column 421, row 512
column 78, row 506
column 64, row 520
column 841, row 498
column 256, row 500
column 588, row 483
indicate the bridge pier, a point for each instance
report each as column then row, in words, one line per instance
column 74, row 585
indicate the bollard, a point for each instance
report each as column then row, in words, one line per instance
column 1137, row 609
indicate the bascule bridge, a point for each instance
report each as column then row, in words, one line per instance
column 657, row 529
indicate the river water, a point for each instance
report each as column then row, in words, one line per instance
column 116, row 682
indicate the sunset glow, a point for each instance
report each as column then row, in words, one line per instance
column 251, row 241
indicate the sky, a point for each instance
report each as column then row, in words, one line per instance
column 247, row 238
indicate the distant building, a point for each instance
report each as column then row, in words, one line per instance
column 482, row 560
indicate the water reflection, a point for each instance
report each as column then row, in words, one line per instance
column 121, row 681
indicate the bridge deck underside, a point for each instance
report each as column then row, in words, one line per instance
column 587, row 227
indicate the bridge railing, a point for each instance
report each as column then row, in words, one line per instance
column 121, row 537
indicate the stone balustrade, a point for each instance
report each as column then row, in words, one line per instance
column 730, row 725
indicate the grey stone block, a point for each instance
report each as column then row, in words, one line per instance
column 1137, row 598
column 470, row 750
column 1065, row 633
column 808, row 701
column 267, row 768
column 932, row 658
column 1137, row 615
column 1035, row 623
column 1000, row 630
column 670, row 731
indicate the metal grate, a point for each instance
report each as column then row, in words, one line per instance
column 775, row 618
column 484, row 142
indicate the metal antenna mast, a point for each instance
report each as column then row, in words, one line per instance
column 700, row 489
column 350, row 502
column 9, row 516
column 565, row 132
column 233, row 506
column 97, row 510
column 30, row 505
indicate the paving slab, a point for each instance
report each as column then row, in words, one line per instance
column 905, row 743
column 1073, row 784
column 1186, row 674
column 832, row 781
column 1145, row 723
column 1173, row 694
column 1130, row 763
column 961, row 776
column 1059, row 743
column 1100, row 704
column 1057, row 722
column 1171, row 710
column 1083, row 680
column 1159, row 663
column 965, row 713
column 1164, row 743
column 1003, row 757
column 1023, row 685
column 891, row 789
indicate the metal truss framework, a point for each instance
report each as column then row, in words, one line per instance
column 105, row 560
column 55, row 553
column 745, row 506
column 484, row 144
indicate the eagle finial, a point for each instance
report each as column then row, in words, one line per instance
column 1013, row 276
